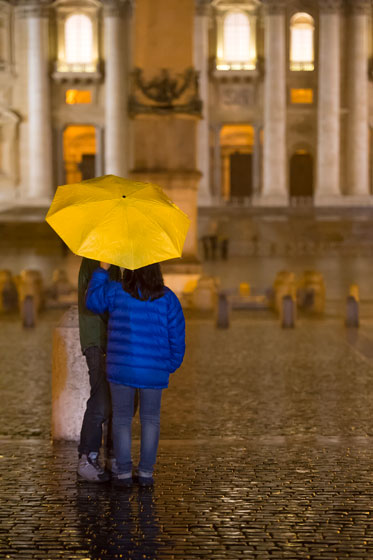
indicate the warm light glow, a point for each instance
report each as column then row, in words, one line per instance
column 78, row 39
column 303, row 96
column 78, row 140
column 74, row 96
column 236, row 37
column 302, row 28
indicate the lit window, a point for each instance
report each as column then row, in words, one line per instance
column 236, row 37
column 302, row 27
column 303, row 96
column 74, row 96
column 78, row 39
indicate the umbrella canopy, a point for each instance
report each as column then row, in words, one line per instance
column 119, row 221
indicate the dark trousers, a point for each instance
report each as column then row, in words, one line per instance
column 98, row 408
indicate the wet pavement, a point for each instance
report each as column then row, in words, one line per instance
column 266, row 451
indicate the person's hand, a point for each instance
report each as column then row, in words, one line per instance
column 104, row 265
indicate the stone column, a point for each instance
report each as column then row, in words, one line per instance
column 116, row 93
column 201, row 53
column 328, row 146
column 274, row 177
column 256, row 162
column 358, row 102
column 40, row 179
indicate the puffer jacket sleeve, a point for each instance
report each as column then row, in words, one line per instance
column 101, row 292
column 176, row 332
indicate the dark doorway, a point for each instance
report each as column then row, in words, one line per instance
column 87, row 166
column 241, row 175
column 301, row 175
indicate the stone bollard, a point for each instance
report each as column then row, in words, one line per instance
column 223, row 320
column 284, row 285
column 31, row 296
column 352, row 312
column 287, row 315
column 205, row 295
column 70, row 380
column 30, row 283
column 8, row 292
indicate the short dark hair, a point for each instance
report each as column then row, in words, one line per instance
column 144, row 283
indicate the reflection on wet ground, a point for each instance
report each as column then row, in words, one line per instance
column 266, row 451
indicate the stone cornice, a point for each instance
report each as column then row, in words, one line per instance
column 203, row 7
column 330, row 6
column 359, row 6
column 33, row 8
column 274, row 7
column 116, row 8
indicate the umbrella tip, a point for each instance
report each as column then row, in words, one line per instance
column 123, row 196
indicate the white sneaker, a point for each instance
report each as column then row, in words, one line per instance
column 89, row 469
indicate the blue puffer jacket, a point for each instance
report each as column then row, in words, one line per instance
column 146, row 339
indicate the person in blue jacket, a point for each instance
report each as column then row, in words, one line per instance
column 146, row 342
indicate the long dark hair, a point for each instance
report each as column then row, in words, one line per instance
column 144, row 283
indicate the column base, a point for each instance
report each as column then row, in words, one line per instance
column 343, row 200
column 278, row 200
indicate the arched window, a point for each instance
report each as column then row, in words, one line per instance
column 302, row 55
column 78, row 39
column 236, row 37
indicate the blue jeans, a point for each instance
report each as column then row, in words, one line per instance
column 150, row 410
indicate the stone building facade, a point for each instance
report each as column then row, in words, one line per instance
column 274, row 106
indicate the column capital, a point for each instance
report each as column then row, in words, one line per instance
column 203, row 7
column 330, row 6
column 274, row 7
column 116, row 8
column 33, row 8
column 359, row 6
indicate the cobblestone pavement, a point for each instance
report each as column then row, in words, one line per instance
column 266, row 452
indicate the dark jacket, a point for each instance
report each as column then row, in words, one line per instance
column 92, row 327
column 146, row 339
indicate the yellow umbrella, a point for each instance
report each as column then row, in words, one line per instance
column 115, row 220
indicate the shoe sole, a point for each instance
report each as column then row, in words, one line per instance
column 94, row 481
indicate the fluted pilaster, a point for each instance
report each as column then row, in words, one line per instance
column 116, row 87
column 328, row 157
column 39, row 109
column 358, row 101
column 274, row 153
column 201, row 54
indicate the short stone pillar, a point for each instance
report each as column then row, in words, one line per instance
column 30, row 283
column 284, row 285
column 287, row 312
column 223, row 311
column 352, row 313
column 70, row 380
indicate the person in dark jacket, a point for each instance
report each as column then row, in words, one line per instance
column 93, row 338
column 146, row 343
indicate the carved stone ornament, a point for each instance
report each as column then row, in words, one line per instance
column 33, row 8
column 359, row 6
column 203, row 7
column 330, row 6
column 274, row 7
column 116, row 8
column 165, row 94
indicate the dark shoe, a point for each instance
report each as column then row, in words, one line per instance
column 145, row 481
column 90, row 470
column 122, row 480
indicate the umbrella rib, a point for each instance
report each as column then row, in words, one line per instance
column 154, row 222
